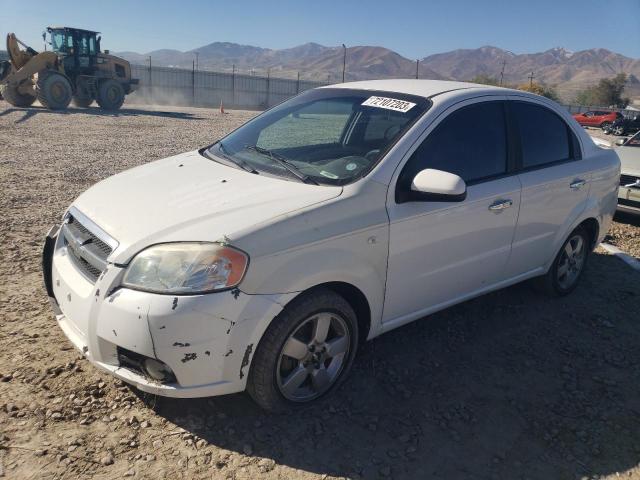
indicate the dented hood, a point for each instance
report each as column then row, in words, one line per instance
column 189, row 198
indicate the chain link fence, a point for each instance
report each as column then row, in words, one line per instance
column 175, row 86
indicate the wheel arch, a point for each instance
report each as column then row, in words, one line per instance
column 592, row 226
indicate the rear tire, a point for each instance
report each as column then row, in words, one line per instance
column 81, row 102
column 564, row 274
column 110, row 95
column 605, row 125
column 53, row 90
column 15, row 98
column 313, row 340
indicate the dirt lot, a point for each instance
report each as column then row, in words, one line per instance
column 512, row 385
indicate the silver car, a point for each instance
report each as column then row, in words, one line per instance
column 629, row 192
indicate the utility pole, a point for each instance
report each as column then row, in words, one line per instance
column 344, row 60
column 531, row 77
column 150, row 83
column 298, row 84
column 328, row 78
column 504, row 64
column 268, row 85
column 193, row 82
column 417, row 67
column 197, row 64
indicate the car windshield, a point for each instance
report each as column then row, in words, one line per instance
column 323, row 136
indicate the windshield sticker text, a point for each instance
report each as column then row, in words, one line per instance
column 389, row 103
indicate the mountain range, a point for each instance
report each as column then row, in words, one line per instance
column 568, row 71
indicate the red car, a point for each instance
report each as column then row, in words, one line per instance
column 597, row 118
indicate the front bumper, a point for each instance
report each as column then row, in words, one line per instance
column 206, row 340
column 629, row 200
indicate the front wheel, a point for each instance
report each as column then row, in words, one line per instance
column 567, row 268
column 53, row 90
column 305, row 353
column 618, row 130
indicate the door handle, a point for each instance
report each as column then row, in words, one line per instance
column 499, row 205
column 577, row 184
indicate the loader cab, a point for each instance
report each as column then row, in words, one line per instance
column 78, row 48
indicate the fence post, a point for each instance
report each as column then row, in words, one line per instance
column 193, row 82
column 268, row 85
column 233, row 85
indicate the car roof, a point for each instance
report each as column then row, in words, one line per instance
column 420, row 87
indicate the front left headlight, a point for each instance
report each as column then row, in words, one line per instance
column 186, row 268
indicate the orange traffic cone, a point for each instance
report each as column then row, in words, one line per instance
column 221, row 107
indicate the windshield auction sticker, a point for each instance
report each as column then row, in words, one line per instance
column 389, row 104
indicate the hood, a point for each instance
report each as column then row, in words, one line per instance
column 629, row 160
column 189, row 198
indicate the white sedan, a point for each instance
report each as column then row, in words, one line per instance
column 262, row 261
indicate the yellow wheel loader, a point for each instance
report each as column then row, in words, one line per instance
column 73, row 70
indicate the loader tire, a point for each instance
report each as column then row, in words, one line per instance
column 54, row 91
column 11, row 94
column 110, row 95
column 81, row 102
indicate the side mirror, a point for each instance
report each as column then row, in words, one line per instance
column 621, row 141
column 432, row 185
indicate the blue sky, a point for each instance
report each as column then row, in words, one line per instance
column 413, row 28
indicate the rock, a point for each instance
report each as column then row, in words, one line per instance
column 107, row 459
column 157, row 443
column 40, row 453
column 145, row 424
column 201, row 443
column 56, row 416
column 129, row 473
column 266, row 465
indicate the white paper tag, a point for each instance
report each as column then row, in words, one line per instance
column 389, row 103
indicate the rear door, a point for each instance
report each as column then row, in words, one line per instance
column 441, row 252
column 555, row 184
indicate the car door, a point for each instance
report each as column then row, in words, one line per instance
column 555, row 184
column 443, row 252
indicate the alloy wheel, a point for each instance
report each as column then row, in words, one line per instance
column 313, row 357
column 571, row 262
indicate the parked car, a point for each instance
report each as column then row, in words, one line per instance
column 629, row 192
column 262, row 261
column 623, row 126
column 597, row 118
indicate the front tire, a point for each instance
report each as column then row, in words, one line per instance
column 110, row 95
column 306, row 352
column 618, row 131
column 567, row 268
column 53, row 90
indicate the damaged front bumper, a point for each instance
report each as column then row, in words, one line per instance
column 207, row 341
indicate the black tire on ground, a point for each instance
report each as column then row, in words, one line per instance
column 262, row 383
column 54, row 90
column 15, row 98
column 552, row 282
column 110, row 95
column 81, row 102
column 618, row 131
column 604, row 125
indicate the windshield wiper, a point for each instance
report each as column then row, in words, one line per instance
column 283, row 162
column 238, row 161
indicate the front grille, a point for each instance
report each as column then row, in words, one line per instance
column 88, row 252
column 628, row 180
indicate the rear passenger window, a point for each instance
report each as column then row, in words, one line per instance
column 471, row 142
column 544, row 135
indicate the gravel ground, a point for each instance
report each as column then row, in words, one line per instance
column 512, row 385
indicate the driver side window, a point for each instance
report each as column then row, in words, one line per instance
column 471, row 142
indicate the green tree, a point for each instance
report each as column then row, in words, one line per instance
column 485, row 80
column 540, row 89
column 607, row 93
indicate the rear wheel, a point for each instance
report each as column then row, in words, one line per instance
column 82, row 102
column 15, row 98
column 54, row 90
column 305, row 353
column 605, row 125
column 110, row 95
column 567, row 268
